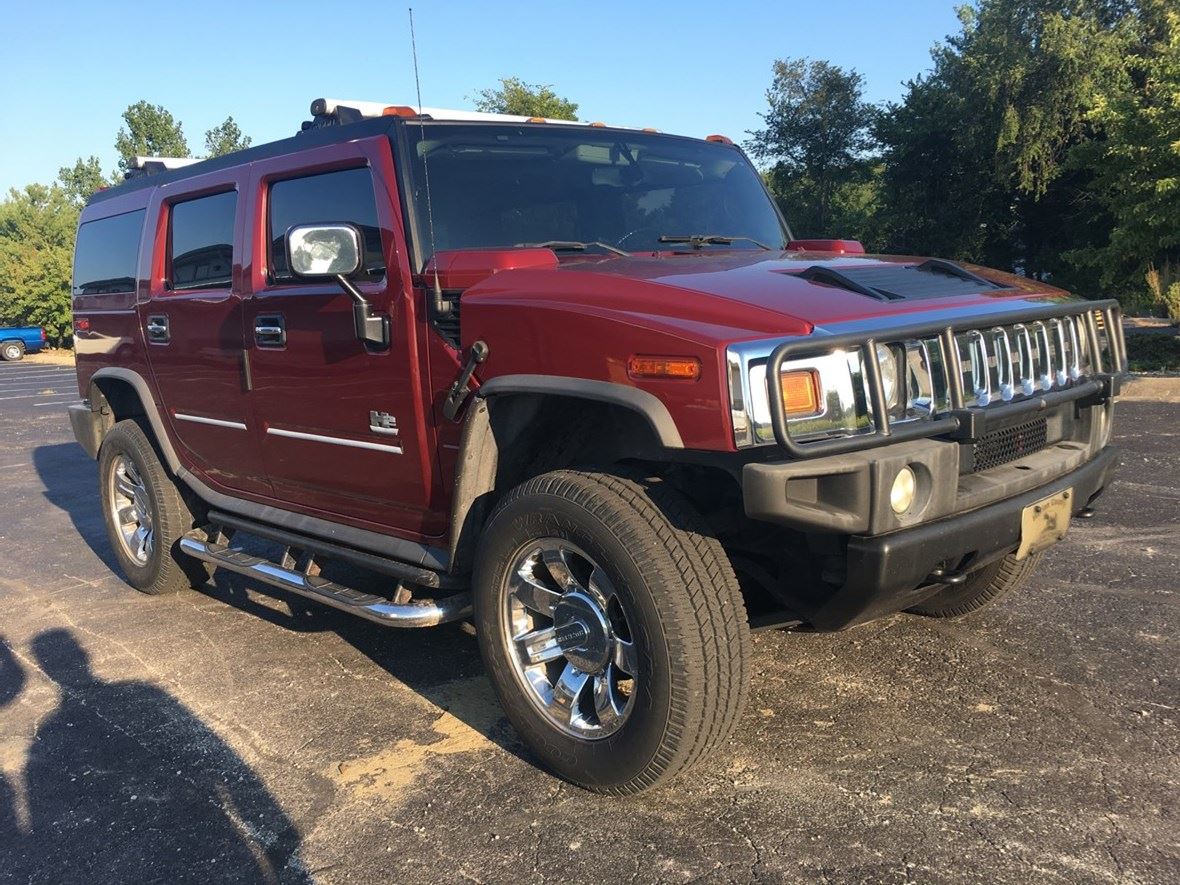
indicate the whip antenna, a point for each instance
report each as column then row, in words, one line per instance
column 440, row 304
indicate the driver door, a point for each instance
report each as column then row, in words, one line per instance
column 340, row 423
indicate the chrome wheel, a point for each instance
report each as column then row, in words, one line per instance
column 131, row 509
column 568, row 639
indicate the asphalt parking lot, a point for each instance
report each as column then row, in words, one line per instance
column 236, row 734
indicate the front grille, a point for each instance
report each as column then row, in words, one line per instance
column 1009, row 444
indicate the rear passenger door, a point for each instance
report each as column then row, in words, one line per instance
column 340, row 423
column 192, row 324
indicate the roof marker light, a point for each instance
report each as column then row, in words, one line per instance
column 719, row 139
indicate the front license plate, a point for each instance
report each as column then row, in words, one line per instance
column 1044, row 523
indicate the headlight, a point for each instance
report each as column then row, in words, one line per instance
column 828, row 395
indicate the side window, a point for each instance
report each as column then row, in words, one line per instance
column 201, row 242
column 345, row 196
column 107, row 253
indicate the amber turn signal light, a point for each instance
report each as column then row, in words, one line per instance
column 685, row 368
column 801, row 392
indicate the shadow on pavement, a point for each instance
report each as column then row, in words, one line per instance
column 124, row 784
column 71, row 484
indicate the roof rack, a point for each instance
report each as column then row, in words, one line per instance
column 339, row 111
column 156, row 165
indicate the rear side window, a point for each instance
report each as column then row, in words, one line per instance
column 106, row 254
column 201, row 242
column 345, row 196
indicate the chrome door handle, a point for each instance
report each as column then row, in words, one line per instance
column 270, row 331
column 157, row 329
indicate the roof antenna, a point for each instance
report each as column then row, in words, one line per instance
column 441, row 305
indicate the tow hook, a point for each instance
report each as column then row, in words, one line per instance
column 459, row 390
column 948, row 577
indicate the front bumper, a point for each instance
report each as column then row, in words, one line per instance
column 889, row 573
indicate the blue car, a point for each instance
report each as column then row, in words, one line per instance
column 16, row 342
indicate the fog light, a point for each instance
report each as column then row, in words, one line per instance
column 901, row 496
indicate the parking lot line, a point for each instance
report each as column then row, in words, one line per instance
column 17, row 379
column 35, row 395
column 58, row 403
column 28, row 385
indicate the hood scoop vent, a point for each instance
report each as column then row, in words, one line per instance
column 934, row 278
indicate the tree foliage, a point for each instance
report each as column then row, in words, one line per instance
column 82, row 179
column 149, row 130
column 976, row 149
column 514, row 96
column 38, row 224
column 1136, row 166
column 816, row 136
column 225, row 138
column 37, row 227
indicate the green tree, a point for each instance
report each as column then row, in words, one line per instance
column 37, row 228
column 1136, row 168
column 816, row 136
column 225, row 138
column 514, row 96
column 82, row 179
column 149, row 130
column 977, row 150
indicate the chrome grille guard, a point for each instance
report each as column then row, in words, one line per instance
column 1029, row 378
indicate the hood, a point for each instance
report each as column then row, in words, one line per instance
column 734, row 294
column 821, row 289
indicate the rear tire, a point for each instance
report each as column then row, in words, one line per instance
column 145, row 514
column 671, row 620
column 982, row 587
column 12, row 351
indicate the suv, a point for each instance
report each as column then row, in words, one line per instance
column 578, row 386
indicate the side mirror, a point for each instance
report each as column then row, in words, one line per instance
column 323, row 250
column 334, row 250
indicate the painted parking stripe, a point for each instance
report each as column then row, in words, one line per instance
column 34, row 395
column 57, row 403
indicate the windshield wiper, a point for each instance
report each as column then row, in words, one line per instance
column 573, row 246
column 699, row 241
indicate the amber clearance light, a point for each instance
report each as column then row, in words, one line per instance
column 801, row 392
column 685, row 368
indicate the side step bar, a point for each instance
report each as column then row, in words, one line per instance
column 424, row 613
column 413, row 574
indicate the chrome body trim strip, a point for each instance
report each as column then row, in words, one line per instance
column 212, row 422
column 334, row 440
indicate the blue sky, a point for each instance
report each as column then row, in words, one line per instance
column 69, row 69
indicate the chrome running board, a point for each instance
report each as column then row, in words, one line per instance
column 424, row 613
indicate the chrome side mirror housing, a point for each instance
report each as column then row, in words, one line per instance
column 323, row 250
column 334, row 250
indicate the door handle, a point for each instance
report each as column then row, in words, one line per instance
column 157, row 329
column 270, row 330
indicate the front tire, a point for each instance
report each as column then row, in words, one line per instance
column 983, row 587
column 145, row 514
column 612, row 628
column 12, row 351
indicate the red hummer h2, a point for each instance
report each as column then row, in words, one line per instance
column 578, row 385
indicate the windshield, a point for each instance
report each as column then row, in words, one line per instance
column 507, row 185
